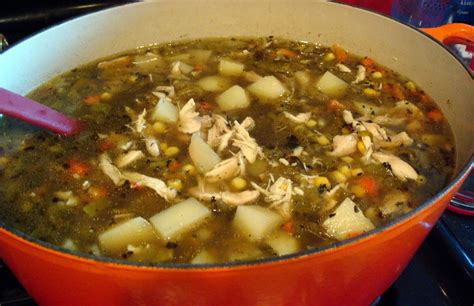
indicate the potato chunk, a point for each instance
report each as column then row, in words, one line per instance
column 135, row 231
column 230, row 68
column 165, row 111
column 331, row 85
column 255, row 222
column 202, row 155
column 214, row 83
column 283, row 244
column 179, row 218
column 267, row 88
column 346, row 221
column 233, row 98
column 203, row 257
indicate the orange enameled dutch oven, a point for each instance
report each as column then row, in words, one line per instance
column 353, row 272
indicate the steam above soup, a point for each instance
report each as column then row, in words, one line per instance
column 221, row 150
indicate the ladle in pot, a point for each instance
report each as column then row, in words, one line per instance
column 14, row 105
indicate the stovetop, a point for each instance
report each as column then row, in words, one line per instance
column 440, row 274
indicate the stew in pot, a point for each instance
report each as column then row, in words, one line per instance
column 219, row 150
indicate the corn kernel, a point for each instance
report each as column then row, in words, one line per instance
column 321, row 122
column 189, row 169
column 371, row 213
column 133, row 78
column 357, row 172
column 344, row 169
column 361, row 147
column 338, row 177
column 163, row 146
column 172, row 151
column 377, row 75
column 413, row 126
column 358, row 191
column 106, row 96
column 176, row 184
column 345, row 131
column 369, row 92
column 160, row 127
column 322, row 181
column 347, row 159
column 421, row 179
column 238, row 183
column 322, row 140
column 311, row 123
column 329, row 57
column 410, row 86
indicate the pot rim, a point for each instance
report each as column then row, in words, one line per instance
column 337, row 246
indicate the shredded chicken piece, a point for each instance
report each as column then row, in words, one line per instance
column 331, row 193
column 396, row 202
column 151, row 182
column 115, row 63
column 344, row 145
column 179, row 70
column 126, row 159
column 248, row 123
column 279, row 195
column 152, row 146
column 247, row 144
column 239, row 198
column 139, row 125
column 398, row 167
column 298, row 151
column 343, row 68
column 110, row 170
column 347, row 116
column 360, row 76
column 218, row 136
column 126, row 146
column 400, row 139
column 169, row 90
column 369, row 149
column 224, row 170
column 378, row 133
column 189, row 121
column 210, row 192
column 300, row 118
column 205, row 191
column 67, row 198
column 386, row 120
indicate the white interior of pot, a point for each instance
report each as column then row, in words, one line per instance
column 397, row 46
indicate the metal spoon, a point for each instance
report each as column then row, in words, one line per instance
column 14, row 105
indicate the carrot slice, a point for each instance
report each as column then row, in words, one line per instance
column 334, row 105
column 106, row 144
column 369, row 184
column 77, row 167
column 367, row 62
column 286, row 53
column 97, row 192
column 435, row 115
column 174, row 166
column 91, row 100
column 288, row 227
column 395, row 90
column 205, row 106
column 341, row 54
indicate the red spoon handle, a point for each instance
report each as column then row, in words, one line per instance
column 22, row 108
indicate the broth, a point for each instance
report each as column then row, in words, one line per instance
column 219, row 150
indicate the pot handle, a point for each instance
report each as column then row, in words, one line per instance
column 453, row 33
